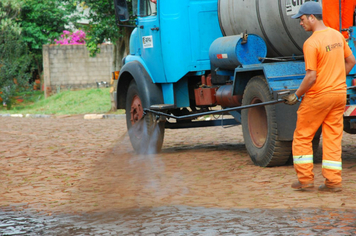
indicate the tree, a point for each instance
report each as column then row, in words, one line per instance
column 14, row 54
column 102, row 27
column 43, row 21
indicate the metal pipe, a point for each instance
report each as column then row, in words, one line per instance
column 145, row 110
column 280, row 100
column 340, row 15
column 288, row 58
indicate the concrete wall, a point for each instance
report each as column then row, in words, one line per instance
column 70, row 67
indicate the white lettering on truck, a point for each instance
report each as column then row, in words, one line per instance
column 147, row 41
column 292, row 6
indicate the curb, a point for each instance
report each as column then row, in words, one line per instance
column 86, row 117
column 103, row 116
column 26, row 116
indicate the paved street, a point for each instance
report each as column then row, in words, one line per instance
column 182, row 220
column 70, row 176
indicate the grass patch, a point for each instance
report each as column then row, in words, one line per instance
column 64, row 103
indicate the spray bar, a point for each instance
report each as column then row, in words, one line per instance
column 280, row 100
column 214, row 112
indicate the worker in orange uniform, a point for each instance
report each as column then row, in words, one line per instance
column 331, row 14
column 328, row 59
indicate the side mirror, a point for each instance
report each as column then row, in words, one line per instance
column 121, row 10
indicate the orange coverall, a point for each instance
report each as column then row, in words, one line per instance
column 331, row 13
column 323, row 105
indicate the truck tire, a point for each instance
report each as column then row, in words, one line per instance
column 347, row 127
column 259, row 127
column 145, row 132
column 317, row 151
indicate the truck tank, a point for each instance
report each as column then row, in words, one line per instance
column 269, row 19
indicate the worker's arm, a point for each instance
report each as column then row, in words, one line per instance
column 307, row 83
column 349, row 63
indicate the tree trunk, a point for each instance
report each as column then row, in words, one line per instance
column 121, row 50
column 39, row 72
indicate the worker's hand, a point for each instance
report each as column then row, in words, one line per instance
column 290, row 99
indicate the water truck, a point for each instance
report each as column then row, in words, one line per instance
column 236, row 58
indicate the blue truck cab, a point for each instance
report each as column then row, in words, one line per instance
column 181, row 65
column 174, row 43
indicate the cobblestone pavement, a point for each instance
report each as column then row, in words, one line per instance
column 70, row 176
column 182, row 220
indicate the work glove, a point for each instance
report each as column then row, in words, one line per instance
column 291, row 99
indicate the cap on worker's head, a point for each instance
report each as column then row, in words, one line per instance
column 309, row 8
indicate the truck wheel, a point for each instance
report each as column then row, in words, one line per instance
column 259, row 127
column 347, row 127
column 317, row 151
column 146, row 133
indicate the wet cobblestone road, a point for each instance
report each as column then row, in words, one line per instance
column 203, row 183
column 182, row 220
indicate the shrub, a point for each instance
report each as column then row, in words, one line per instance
column 68, row 38
column 14, row 64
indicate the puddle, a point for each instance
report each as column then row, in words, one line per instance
column 183, row 220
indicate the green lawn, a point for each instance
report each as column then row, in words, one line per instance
column 64, row 103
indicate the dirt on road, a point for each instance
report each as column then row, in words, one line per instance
column 73, row 165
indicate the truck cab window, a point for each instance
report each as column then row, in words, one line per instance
column 147, row 8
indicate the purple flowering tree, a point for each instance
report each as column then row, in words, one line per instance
column 69, row 38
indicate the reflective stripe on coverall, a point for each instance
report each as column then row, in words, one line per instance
column 327, row 110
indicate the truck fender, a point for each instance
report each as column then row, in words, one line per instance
column 150, row 93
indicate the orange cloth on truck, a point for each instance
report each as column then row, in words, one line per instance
column 331, row 14
column 323, row 105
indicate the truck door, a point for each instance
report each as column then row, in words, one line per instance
column 150, row 38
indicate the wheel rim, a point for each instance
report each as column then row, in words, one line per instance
column 257, row 124
column 136, row 110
